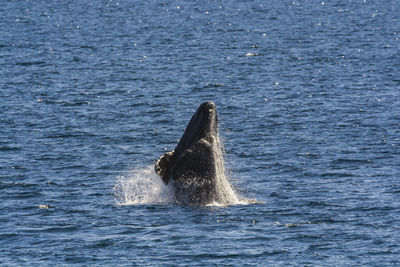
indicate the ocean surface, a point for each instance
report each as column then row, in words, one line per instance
column 92, row 93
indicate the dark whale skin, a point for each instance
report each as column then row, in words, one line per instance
column 191, row 165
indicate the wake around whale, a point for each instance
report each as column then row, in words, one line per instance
column 195, row 166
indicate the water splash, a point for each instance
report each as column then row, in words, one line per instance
column 226, row 194
column 144, row 186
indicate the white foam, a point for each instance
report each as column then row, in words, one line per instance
column 142, row 186
column 226, row 194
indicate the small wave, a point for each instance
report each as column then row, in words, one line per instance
column 30, row 63
column 238, row 201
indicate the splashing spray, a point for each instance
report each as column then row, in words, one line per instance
column 143, row 186
column 225, row 193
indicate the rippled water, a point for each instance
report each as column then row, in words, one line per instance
column 308, row 97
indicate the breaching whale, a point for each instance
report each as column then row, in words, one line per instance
column 194, row 165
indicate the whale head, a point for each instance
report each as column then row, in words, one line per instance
column 203, row 128
column 203, row 124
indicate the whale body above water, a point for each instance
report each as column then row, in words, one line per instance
column 195, row 166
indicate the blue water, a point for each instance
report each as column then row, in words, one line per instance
column 308, row 98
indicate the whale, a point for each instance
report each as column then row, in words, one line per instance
column 194, row 165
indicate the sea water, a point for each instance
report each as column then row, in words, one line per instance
column 308, row 97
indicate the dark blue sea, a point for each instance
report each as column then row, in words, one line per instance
column 92, row 93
